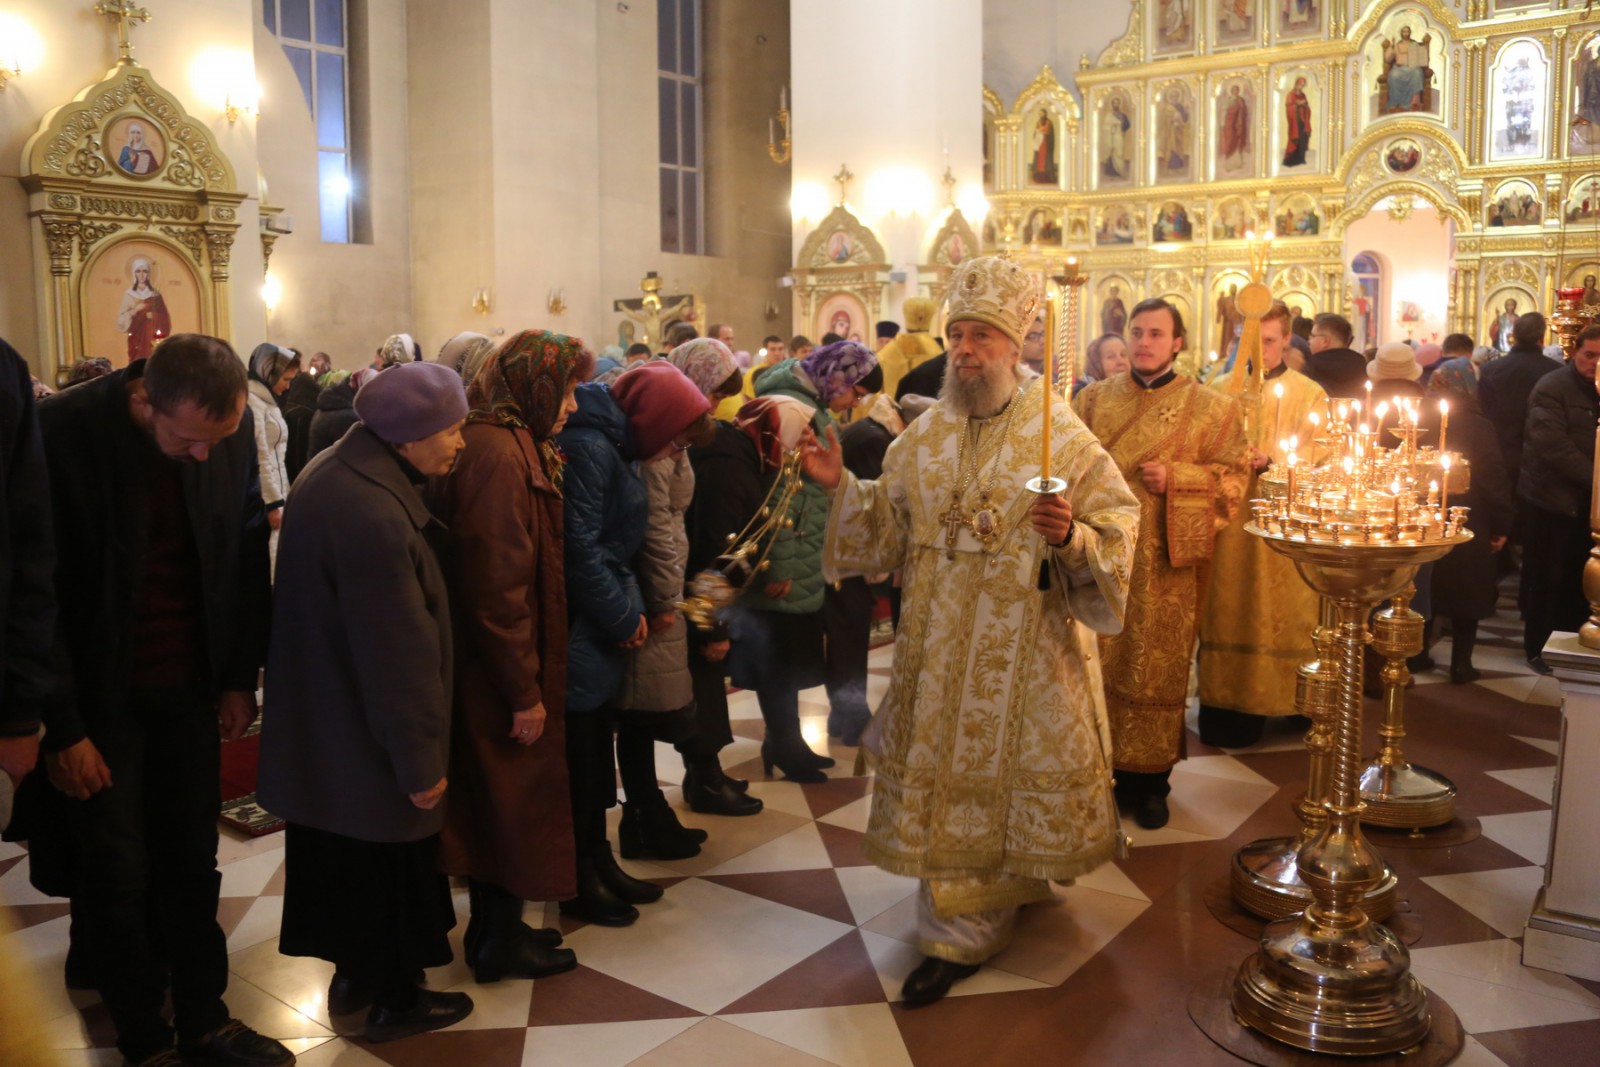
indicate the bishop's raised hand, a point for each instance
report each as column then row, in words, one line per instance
column 823, row 464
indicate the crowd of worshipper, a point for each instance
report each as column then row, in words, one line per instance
column 458, row 584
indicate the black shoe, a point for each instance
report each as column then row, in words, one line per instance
column 596, row 902
column 233, row 1044
column 506, row 947
column 1226, row 728
column 714, row 794
column 431, row 1011
column 1150, row 812
column 1539, row 665
column 542, row 936
column 627, row 888
column 1421, row 663
column 932, row 980
column 347, row 995
column 1464, row 675
column 649, row 830
column 167, row 1057
column 797, row 762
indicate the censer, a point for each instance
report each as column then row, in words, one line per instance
column 713, row 590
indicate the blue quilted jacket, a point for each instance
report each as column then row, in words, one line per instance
column 607, row 508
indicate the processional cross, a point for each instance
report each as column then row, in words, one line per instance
column 124, row 12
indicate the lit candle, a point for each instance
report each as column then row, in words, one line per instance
column 1367, row 385
column 1277, row 409
column 1444, row 422
column 1049, row 394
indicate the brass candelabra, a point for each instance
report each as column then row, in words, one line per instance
column 1357, row 526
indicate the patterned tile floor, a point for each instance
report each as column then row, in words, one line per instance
column 779, row 945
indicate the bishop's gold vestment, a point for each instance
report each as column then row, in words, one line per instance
column 1199, row 434
column 990, row 759
column 1256, row 628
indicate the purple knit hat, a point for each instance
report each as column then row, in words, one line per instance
column 410, row 401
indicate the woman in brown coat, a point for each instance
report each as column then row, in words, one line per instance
column 508, row 826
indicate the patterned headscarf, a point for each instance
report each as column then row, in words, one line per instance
column 1454, row 377
column 835, row 369
column 705, row 361
column 399, row 348
column 775, row 424
column 523, row 384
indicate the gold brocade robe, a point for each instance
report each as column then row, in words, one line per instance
column 991, row 762
column 1199, row 434
column 1256, row 628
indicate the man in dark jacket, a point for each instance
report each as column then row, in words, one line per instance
column 27, row 565
column 1553, row 490
column 335, row 413
column 1504, row 385
column 1333, row 364
column 158, row 511
column 299, row 408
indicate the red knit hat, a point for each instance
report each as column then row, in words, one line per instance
column 660, row 403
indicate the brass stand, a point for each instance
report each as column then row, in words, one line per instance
column 1331, row 979
column 1396, row 793
column 1264, row 876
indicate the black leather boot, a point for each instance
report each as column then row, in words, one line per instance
column 596, row 902
column 932, row 980
column 506, row 947
column 710, row 792
column 624, row 885
column 650, row 830
column 792, row 756
column 1463, row 638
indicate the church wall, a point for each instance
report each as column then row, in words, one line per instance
column 79, row 48
column 343, row 299
column 449, row 89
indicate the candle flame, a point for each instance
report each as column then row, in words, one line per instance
column 1444, row 407
column 1316, row 421
column 1383, row 409
column 1444, row 461
column 1349, row 464
column 1364, row 428
column 1277, row 390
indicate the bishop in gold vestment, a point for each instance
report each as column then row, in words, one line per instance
column 1257, row 624
column 1181, row 446
column 992, row 767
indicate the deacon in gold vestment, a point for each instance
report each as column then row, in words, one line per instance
column 992, row 766
column 1257, row 624
column 1182, row 448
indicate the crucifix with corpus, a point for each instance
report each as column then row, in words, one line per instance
column 649, row 310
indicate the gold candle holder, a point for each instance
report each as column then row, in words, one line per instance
column 1396, row 793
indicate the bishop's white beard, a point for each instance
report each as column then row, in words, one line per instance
column 983, row 395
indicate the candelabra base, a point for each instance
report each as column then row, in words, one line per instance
column 1264, row 878
column 1406, row 797
column 1353, row 995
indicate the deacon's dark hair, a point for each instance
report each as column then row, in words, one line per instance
column 638, row 348
column 1590, row 333
column 193, row 368
column 1156, row 303
column 1337, row 325
column 799, row 340
column 679, row 332
column 766, row 342
column 1300, row 327
column 1528, row 331
column 1456, row 344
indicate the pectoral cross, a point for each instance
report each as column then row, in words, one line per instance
column 124, row 12
column 953, row 521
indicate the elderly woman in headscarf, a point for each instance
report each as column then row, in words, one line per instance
column 733, row 472
column 1106, row 357
column 780, row 651
column 271, row 370
column 398, row 348
column 649, row 413
column 465, row 354
column 655, row 701
column 1464, row 583
column 508, row 827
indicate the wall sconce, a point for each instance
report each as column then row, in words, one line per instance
column 779, row 150
column 480, row 302
column 23, row 48
column 244, row 106
column 556, row 301
column 271, row 293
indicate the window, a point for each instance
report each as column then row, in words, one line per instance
column 313, row 35
column 678, row 87
column 1366, row 300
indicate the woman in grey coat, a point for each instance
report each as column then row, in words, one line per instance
column 656, row 699
column 355, row 746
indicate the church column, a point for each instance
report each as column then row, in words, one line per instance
column 1558, row 94
column 896, row 119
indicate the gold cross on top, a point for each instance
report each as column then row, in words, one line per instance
column 843, row 178
column 124, row 12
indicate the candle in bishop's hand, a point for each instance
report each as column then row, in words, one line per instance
column 1049, row 394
